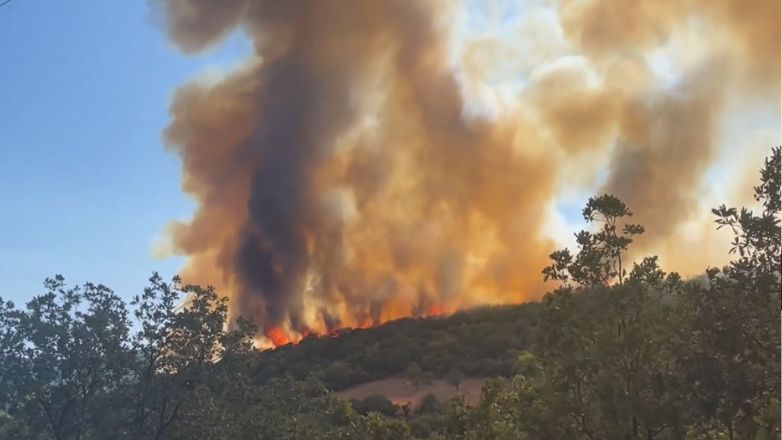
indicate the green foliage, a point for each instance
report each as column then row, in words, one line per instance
column 375, row 403
column 12, row 428
column 416, row 376
column 599, row 258
column 732, row 357
column 339, row 374
column 71, row 369
column 63, row 359
column 281, row 409
column 376, row 427
column 481, row 342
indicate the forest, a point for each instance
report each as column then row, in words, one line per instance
column 617, row 350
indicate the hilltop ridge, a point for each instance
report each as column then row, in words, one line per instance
column 480, row 342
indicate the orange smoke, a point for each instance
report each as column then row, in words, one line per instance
column 341, row 181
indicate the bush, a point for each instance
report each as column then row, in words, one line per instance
column 376, row 403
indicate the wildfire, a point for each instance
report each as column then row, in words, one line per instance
column 278, row 337
column 361, row 166
column 436, row 310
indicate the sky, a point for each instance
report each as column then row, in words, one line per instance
column 85, row 183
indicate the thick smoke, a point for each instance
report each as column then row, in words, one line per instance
column 667, row 139
column 340, row 180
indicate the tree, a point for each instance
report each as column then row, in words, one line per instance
column 604, row 366
column 376, row 403
column 156, row 310
column 337, row 375
column 12, row 428
column 281, row 409
column 455, row 377
column 415, row 375
column 429, row 404
column 599, row 259
column 176, row 349
column 65, row 358
column 652, row 356
column 377, row 427
column 12, row 364
column 732, row 358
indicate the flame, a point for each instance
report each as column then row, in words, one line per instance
column 436, row 310
column 278, row 337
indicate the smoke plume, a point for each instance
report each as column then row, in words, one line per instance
column 342, row 180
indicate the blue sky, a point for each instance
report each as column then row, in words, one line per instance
column 85, row 183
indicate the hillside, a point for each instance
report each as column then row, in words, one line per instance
column 400, row 391
column 478, row 343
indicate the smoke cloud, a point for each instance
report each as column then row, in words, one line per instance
column 341, row 180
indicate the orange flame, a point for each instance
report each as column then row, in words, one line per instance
column 436, row 310
column 278, row 337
